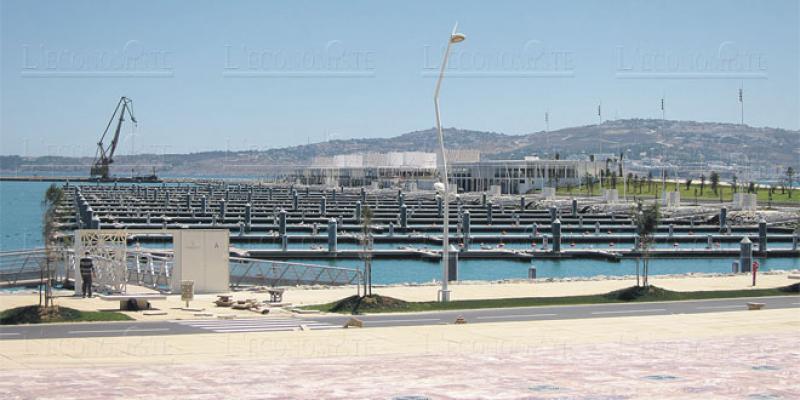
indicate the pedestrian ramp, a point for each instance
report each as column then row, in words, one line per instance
column 256, row 325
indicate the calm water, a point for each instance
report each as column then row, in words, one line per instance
column 20, row 228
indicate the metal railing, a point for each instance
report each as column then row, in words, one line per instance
column 251, row 271
column 147, row 269
column 25, row 266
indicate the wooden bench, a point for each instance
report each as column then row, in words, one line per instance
column 142, row 299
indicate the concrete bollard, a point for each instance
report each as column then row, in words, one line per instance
column 534, row 230
column 332, row 235
column 363, row 196
column 555, row 229
column 147, row 218
column 203, row 205
column 358, row 213
column 284, row 242
column 189, row 200
column 723, row 218
column 404, row 217
column 483, row 199
column 214, row 220
column 489, row 211
column 574, row 207
column 294, row 200
column 452, row 267
column 223, row 209
column 269, row 193
column 282, row 223
column 399, row 197
column 709, row 241
column 553, row 213
column 745, row 255
column 227, row 194
column 391, row 229
column 166, row 199
column 671, row 229
column 307, row 192
column 439, row 206
column 597, row 228
column 762, row 237
column 323, row 205
column 250, row 195
column 580, row 221
column 466, row 226
column 532, row 272
column 522, row 203
column 248, row 217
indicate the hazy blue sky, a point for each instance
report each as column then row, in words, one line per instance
column 255, row 74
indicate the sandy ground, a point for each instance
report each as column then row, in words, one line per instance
column 744, row 354
column 172, row 306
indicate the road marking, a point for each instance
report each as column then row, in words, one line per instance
column 515, row 316
column 629, row 311
column 9, row 334
column 719, row 307
column 121, row 331
column 256, row 325
column 383, row 321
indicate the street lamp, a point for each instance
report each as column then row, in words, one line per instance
column 444, row 293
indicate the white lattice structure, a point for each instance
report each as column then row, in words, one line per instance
column 107, row 248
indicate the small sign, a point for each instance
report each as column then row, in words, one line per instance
column 187, row 291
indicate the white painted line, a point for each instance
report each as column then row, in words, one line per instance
column 121, row 331
column 253, row 326
column 230, row 321
column 515, row 316
column 384, row 321
column 9, row 334
column 629, row 311
column 227, row 323
column 720, row 307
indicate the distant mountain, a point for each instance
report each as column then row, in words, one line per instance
column 678, row 141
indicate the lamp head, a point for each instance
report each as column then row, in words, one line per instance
column 457, row 38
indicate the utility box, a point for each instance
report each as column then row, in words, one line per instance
column 201, row 255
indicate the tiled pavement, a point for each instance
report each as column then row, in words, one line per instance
column 738, row 367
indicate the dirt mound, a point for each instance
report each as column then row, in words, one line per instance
column 359, row 304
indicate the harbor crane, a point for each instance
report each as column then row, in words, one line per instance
column 105, row 154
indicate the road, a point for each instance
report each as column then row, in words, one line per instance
column 319, row 322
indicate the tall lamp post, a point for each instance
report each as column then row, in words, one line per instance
column 444, row 293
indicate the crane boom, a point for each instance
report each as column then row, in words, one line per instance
column 105, row 155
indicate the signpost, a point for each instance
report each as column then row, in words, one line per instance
column 187, row 292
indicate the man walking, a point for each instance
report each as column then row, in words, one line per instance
column 87, row 273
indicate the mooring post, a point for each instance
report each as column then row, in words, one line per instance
column 556, row 232
column 489, row 212
column 466, row 224
column 723, row 218
column 404, row 217
column 248, row 217
column 358, row 212
column 762, row 237
column 745, row 255
column 332, row 235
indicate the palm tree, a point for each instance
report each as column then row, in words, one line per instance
column 646, row 225
column 790, row 179
column 366, row 242
column 53, row 196
column 702, row 184
column 714, row 181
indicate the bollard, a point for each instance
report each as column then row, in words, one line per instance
column 597, row 228
column 516, row 219
column 363, row 196
column 95, row 222
column 250, row 195
column 762, row 237
column 323, row 205
column 248, row 217
column 709, row 241
column 574, row 207
column 282, row 223
column 399, row 197
column 294, row 200
column 580, row 221
column 534, row 230
column 284, row 242
column 332, row 235
column 522, row 203
column 465, row 222
column 391, row 229
column 439, row 206
column 794, row 242
column 636, row 242
column 745, row 254
column 553, row 215
column 203, row 205
column 404, row 217
column 307, row 191
column 189, row 200
column 227, row 194
column 544, row 242
column 532, row 272
column 223, row 209
column 555, row 229
column 333, row 195
column 452, row 267
column 358, row 212
column 166, row 199
column 489, row 212
column 214, row 220
column 269, row 193
column 671, row 229
column 241, row 228
column 483, row 199
column 723, row 218
column 148, row 218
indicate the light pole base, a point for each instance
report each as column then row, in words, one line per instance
column 443, row 296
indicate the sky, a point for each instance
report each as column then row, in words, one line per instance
column 249, row 75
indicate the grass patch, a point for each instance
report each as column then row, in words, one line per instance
column 382, row 304
column 38, row 315
column 687, row 195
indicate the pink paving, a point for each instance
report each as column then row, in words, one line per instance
column 742, row 367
